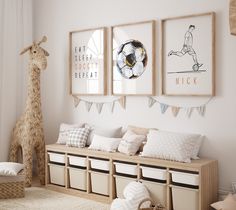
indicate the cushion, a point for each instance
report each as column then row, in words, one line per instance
column 78, row 137
column 10, row 168
column 103, row 143
column 64, row 132
column 229, row 203
column 107, row 132
column 197, row 147
column 131, row 143
column 170, row 145
column 138, row 130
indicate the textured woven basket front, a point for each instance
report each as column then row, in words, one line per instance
column 12, row 186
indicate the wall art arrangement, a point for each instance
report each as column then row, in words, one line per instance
column 201, row 109
column 99, row 105
column 88, row 62
column 188, row 55
column 133, row 62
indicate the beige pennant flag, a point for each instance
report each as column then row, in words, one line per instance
column 76, row 100
column 151, row 102
column 99, row 107
column 122, row 101
column 175, row 110
column 201, row 110
column 88, row 105
column 112, row 106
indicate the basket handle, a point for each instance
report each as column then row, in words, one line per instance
column 143, row 201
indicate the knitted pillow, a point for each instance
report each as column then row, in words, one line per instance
column 78, row 137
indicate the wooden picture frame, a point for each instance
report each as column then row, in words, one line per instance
column 188, row 55
column 131, row 76
column 88, row 62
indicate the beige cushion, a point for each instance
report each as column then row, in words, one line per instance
column 228, row 204
column 138, row 130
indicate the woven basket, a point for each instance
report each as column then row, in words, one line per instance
column 12, row 186
column 152, row 206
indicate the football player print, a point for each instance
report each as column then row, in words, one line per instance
column 188, row 48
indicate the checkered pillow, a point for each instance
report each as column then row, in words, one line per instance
column 78, row 137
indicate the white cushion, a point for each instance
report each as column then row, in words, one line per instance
column 64, row 132
column 130, row 143
column 10, row 168
column 78, row 137
column 107, row 132
column 197, row 147
column 104, row 143
column 170, row 145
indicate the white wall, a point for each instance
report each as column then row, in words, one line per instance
column 55, row 18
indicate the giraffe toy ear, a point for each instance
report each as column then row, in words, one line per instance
column 25, row 50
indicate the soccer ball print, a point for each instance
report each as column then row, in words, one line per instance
column 131, row 59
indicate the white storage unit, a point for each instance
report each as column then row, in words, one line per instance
column 157, row 191
column 56, row 157
column 57, row 174
column 121, row 183
column 125, row 168
column 185, row 198
column 153, row 173
column 78, row 178
column 185, row 178
column 77, row 161
column 100, row 164
column 100, row 183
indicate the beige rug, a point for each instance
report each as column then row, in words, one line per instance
column 42, row 199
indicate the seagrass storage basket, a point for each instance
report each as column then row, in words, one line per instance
column 12, row 186
column 152, row 206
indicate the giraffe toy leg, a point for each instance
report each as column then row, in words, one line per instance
column 13, row 156
column 40, row 154
column 28, row 163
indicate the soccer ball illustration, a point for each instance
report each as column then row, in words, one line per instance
column 131, row 59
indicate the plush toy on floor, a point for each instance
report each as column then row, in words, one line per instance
column 28, row 131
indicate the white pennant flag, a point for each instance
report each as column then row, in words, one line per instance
column 112, row 105
column 175, row 110
column 88, row 105
column 164, row 107
column 151, row 102
column 201, row 110
column 76, row 101
column 188, row 111
column 99, row 107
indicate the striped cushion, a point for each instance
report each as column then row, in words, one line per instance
column 78, row 137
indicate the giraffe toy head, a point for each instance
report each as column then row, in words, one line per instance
column 37, row 54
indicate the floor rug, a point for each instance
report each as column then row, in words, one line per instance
column 42, row 199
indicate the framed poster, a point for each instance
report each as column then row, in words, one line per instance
column 133, row 61
column 88, row 62
column 188, row 45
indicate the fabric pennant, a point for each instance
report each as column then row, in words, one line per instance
column 175, row 110
column 201, row 110
column 112, row 105
column 122, row 101
column 88, row 105
column 76, row 100
column 151, row 102
column 99, row 107
column 164, row 107
column 188, row 111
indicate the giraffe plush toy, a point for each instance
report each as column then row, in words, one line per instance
column 28, row 131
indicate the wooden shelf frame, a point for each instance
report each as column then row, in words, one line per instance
column 207, row 169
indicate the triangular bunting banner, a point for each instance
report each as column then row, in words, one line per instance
column 151, row 102
column 164, row 107
column 88, row 105
column 122, row 101
column 76, row 101
column 188, row 111
column 175, row 110
column 112, row 105
column 99, row 107
column 201, row 110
